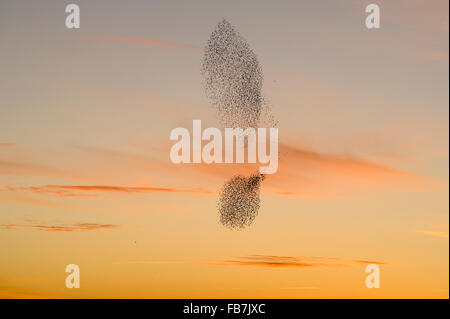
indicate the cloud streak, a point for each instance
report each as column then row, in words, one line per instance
column 147, row 262
column 27, row 169
column 302, row 173
column 269, row 261
column 87, row 190
column 433, row 233
column 61, row 228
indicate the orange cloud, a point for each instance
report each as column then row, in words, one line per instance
column 147, row 262
column 64, row 228
column 302, row 172
column 8, row 226
column 290, row 262
column 369, row 262
column 19, row 287
column 27, row 169
column 440, row 234
column 84, row 190
column 303, row 158
column 345, row 165
column 14, row 292
column 306, row 173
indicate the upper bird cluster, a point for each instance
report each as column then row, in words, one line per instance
column 233, row 77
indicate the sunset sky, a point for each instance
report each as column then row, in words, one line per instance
column 86, row 178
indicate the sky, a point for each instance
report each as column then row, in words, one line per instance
column 86, row 179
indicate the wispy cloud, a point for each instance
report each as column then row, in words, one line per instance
column 345, row 164
column 306, row 173
column 62, row 227
column 290, row 262
column 293, row 156
column 84, row 190
column 14, row 292
column 433, row 233
column 8, row 226
column 147, row 262
column 22, row 287
column 302, row 172
column 28, row 169
column 369, row 262
column 141, row 41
